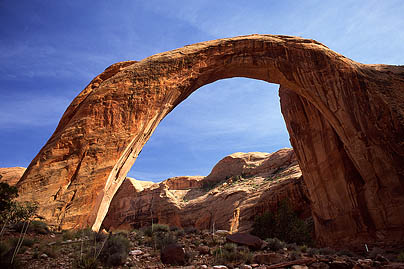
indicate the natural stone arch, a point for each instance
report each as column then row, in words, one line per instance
column 357, row 108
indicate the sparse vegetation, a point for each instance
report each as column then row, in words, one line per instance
column 115, row 250
column 400, row 257
column 326, row 251
column 275, row 244
column 284, row 224
column 208, row 185
column 230, row 253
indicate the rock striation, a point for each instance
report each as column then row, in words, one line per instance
column 78, row 171
column 11, row 175
column 230, row 203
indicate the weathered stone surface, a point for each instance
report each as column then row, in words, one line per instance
column 11, row 175
column 331, row 175
column 78, row 171
column 245, row 239
column 231, row 205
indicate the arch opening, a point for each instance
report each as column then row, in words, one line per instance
column 227, row 116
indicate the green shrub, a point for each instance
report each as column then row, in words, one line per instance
column 275, row 244
column 292, row 246
column 374, row 252
column 326, row 251
column 26, row 242
column 294, row 255
column 284, row 224
column 312, row 251
column 303, row 248
column 345, row 252
column 190, row 230
column 208, row 185
column 115, row 251
column 87, row 261
column 155, row 228
column 35, row 226
column 179, row 232
column 7, row 194
column 160, row 228
column 68, row 235
column 6, row 255
column 400, row 257
column 231, row 253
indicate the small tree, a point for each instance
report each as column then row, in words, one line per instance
column 13, row 212
column 7, row 195
column 284, row 224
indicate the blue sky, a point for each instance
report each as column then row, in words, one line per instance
column 50, row 50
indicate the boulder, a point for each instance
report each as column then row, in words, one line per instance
column 245, row 239
column 173, row 254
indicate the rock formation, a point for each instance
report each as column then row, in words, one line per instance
column 11, row 175
column 246, row 184
column 78, row 171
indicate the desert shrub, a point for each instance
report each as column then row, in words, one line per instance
column 115, row 251
column 275, row 244
column 374, row 252
column 38, row 227
column 27, row 242
column 283, row 223
column 303, row 248
column 230, row 253
column 190, row 230
column 68, row 235
column 345, row 252
column 179, row 232
column 292, row 246
column 294, row 255
column 18, row 212
column 312, row 251
column 7, row 195
column 155, row 228
column 160, row 228
column 51, row 251
column 6, row 255
column 400, row 257
column 326, row 251
column 207, row 185
column 35, row 226
column 87, row 261
column 87, row 233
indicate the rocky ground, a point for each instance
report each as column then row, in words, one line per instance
column 203, row 249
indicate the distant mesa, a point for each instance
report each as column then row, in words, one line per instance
column 245, row 185
column 11, row 175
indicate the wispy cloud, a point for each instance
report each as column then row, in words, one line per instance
column 31, row 111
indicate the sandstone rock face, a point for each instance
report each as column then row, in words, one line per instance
column 330, row 175
column 231, row 205
column 78, row 171
column 11, row 175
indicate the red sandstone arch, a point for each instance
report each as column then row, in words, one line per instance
column 345, row 119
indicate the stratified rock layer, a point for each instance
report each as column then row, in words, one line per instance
column 246, row 185
column 78, row 171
